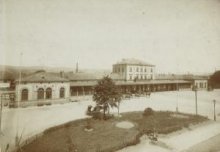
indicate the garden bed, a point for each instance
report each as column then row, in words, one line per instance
column 105, row 136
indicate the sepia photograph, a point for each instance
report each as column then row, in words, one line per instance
column 109, row 75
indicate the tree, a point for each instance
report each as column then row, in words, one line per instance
column 214, row 80
column 107, row 94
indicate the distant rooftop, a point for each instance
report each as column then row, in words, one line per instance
column 180, row 77
column 42, row 77
column 85, row 76
column 132, row 61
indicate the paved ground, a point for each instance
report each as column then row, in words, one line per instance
column 34, row 120
column 210, row 145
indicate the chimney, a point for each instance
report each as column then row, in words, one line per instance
column 77, row 70
column 61, row 74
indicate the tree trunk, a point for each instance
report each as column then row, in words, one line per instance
column 118, row 107
column 108, row 110
column 104, row 113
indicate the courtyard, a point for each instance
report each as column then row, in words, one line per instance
column 34, row 120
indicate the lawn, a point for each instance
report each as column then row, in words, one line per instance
column 105, row 135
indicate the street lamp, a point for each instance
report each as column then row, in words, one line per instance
column 195, row 89
column 177, row 87
column 214, row 101
column 1, row 115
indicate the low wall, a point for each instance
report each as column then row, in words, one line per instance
column 79, row 98
column 41, row 102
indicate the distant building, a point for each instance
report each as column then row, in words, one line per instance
column 133, row 69
column 201, row 82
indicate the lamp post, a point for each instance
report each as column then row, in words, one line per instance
column 195, row 89
column 1, row 115
column 214, row 101
column 177, row 87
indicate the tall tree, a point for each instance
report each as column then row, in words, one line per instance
column 107, row 94
column 214, row 80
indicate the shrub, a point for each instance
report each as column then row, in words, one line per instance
column 89, row 110
column 148, row 112
column 109, row 116
column 97, row 115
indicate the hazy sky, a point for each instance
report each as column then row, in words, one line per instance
column 175, row 35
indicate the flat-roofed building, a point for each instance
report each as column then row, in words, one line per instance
column 133, row 69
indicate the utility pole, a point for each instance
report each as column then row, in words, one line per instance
column 214, row 101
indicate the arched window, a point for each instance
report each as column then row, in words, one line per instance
column 48, row 93
column 62, row 92
column 24, row 95
column 40, row 93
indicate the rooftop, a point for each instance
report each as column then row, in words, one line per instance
column 84, row 76
column 43, row 77
column 181, row 77
column 132, row 61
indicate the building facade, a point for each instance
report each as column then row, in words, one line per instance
column 201, row 84
column 133, row 69
column 42, row 87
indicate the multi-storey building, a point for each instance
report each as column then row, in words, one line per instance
column 133, row 69
column 130, row 75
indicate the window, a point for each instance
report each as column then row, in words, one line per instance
column 205, row 85
column 130, row 69
column 40, row 93
column 118, row 69
column 48, row 93
column 62, row 92
column 122, row 69
column 130, row 77
column 24, row 95
column 145, row 70
column 151, row 69
column 137, row 69
column 201, row 85
column 141, row 69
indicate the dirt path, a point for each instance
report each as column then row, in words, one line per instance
column 182, row 141
column 185, row 140
column 210, row 145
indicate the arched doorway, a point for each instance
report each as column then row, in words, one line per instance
column 62, row 92
column 40, row 93
column 48, row 93
column 24, row 95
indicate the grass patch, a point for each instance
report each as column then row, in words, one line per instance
column 106, row 137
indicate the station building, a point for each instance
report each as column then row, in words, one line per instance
column 130, row 75
column 133, row 69
column 41, row 87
